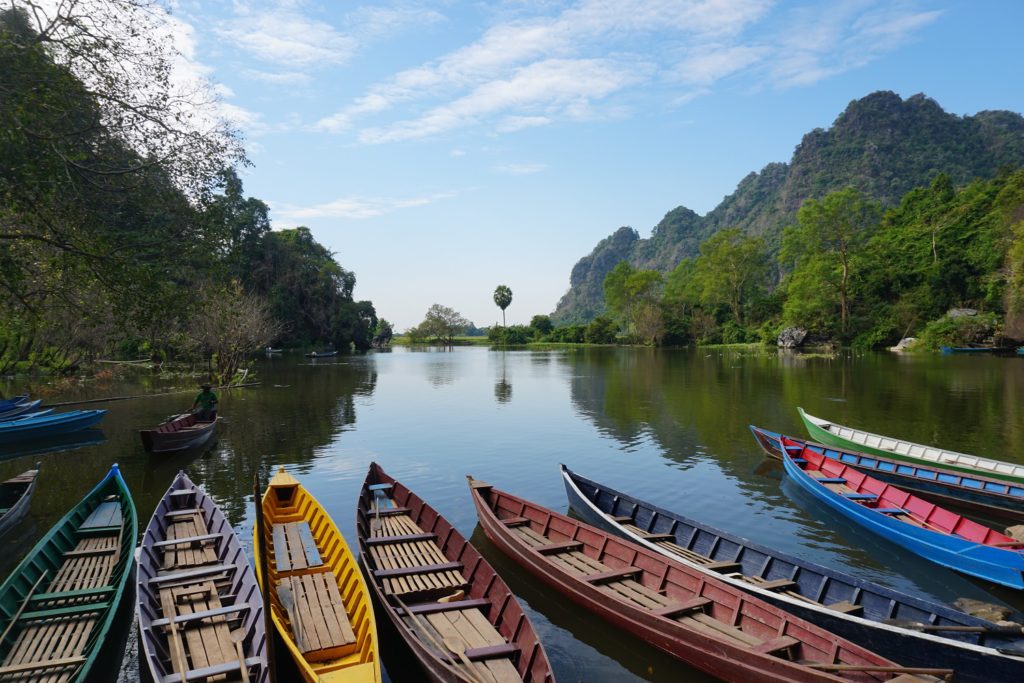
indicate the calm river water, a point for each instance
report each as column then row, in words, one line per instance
column 668, row 426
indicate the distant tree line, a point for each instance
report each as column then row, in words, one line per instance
column 123, row 222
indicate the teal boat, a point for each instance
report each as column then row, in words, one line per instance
column 851, row 439
column 57, row 607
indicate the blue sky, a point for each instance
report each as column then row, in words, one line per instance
column 440, row 149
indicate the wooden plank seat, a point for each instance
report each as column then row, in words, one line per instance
column 859, row 496
column 724, row 566
column 680, row 608
column 512, row 522
column 294, row 547
column 187, row 542
column 106, row 514
column 316, row 616
column 479, row 654
column 400, row 538
column 623, row 519
column 654, row 538
column 892, row 511
column 778, row 584
column 776, row 645
column 416, row 569
column 830, row 480
column 846, row 607
column 552, row 548
column 199, row 632
column 468, row 631
column 433, row 607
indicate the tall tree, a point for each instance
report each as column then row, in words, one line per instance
column 442, row 324
column 502, row 299
column 732, row 266
column 634, row 297
column 822, row 250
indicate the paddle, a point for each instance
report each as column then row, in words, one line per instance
column 426, row 636
column 261, row 548
column 24, row 604
column 237, row 636
column 993, row 630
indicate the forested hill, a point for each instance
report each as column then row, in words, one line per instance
column 882, row 145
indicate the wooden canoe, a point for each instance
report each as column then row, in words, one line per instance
column 923, row 528
column 851, row 439
column 692, row 616
column 57, row 607
column 417, row 562
column 15, row 497
column 985, row 495
column 200, row 609
column 319, row 602
column 22, row 408
column 178, row 434
column 44, row 426
column 321, row 354
column 913, row 631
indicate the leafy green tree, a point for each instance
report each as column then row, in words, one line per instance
column 634, row 297
column 542, row 323
column 442, row 324
column 502, row 299
column 823, row 250
column 732, row 268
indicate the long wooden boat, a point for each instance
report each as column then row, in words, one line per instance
column 49, row 425
column 57, row 607
column 199, row 607
column 848, row 438
column 446, row 601
column 9, row 403
column 932, row 532
column 177, row 434
column 914, row 631
column 985, row 495
column 319, row 602
column 15, row 497
column 692, row 616
column 21, row 409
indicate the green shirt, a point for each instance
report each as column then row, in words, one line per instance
column 206, row 400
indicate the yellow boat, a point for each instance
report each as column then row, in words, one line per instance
column 319, row 602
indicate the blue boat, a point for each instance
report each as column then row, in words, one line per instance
column 48, row 425
column 27, row 416
column 947, row 350
column 990, row 497
column 923, row 528
column 9, row 403
column 912, row 631
column 20, row 409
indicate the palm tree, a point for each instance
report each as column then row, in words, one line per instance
column 502, row 298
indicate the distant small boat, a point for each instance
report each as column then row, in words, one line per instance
column 20, row 409
column 851, row 439
column 682, row 611
column 269, row 350
column 199, row 607
column 908, row 629
column 60, row 603
column 923, row 528
column 321, row 354
column 49, row 425
column 178, row 434
column 440, row 593
column 992, row 497
column 946, row 350
column 15, row 496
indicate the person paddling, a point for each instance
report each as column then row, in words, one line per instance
column 205, row 405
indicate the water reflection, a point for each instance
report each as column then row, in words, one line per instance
column 502, row 387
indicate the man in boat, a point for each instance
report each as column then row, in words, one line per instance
column 205, row 405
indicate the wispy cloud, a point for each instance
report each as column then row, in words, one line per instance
column 287, row 78
column 283, row 35
column 520, row 169
column 352, row 208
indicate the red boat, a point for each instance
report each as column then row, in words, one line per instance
column 178, row 434
column 449, row 605
column 696, row 618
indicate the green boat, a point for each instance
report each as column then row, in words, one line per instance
column 851, row 439
column 58, row 606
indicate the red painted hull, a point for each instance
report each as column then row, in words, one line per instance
column 718, row 657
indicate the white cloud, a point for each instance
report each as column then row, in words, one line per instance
column 713, row 63
column 352, row 208
column 288, row 78
column 511, row 124
column 455, row 153
column 520, row 169
column 374, row 22
column 282, row 35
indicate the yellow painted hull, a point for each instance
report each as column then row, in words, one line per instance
column 363, row 665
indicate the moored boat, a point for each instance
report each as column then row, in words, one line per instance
column 991, row 497
column 15, row 497
column 913, row 631
column 199, row 607
column 178, row 434
column 21, row 409
column 947, row 350
column 58, row 606
column 455, row 612
column 321, row 354
column 924, row 528
column 692, row 616
column 9, row 403
column 848, row 438
column 48, row 425
column 319, row 602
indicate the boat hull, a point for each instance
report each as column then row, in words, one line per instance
column 502, row 611
column 20, row 409
column 949, row 460
column 718, row 657
column 18, row 489
column 49, row 425
column 183, row 433
column 990, row 497
column 973, row 659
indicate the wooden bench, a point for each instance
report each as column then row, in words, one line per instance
column 294, row 547
column 316, row 616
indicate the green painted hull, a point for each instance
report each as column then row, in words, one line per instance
column 46, row 556
column 824, row 436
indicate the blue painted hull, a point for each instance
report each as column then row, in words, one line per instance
column 975, row 657
column 21, row 409
column 998, row 565
column 10, row 403
column 991, row 497
column 49, row 425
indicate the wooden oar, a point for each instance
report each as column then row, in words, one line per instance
column 179, row 661
column 427, row 637
column 237, row 636
column 24, row 604
column 456, row 647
